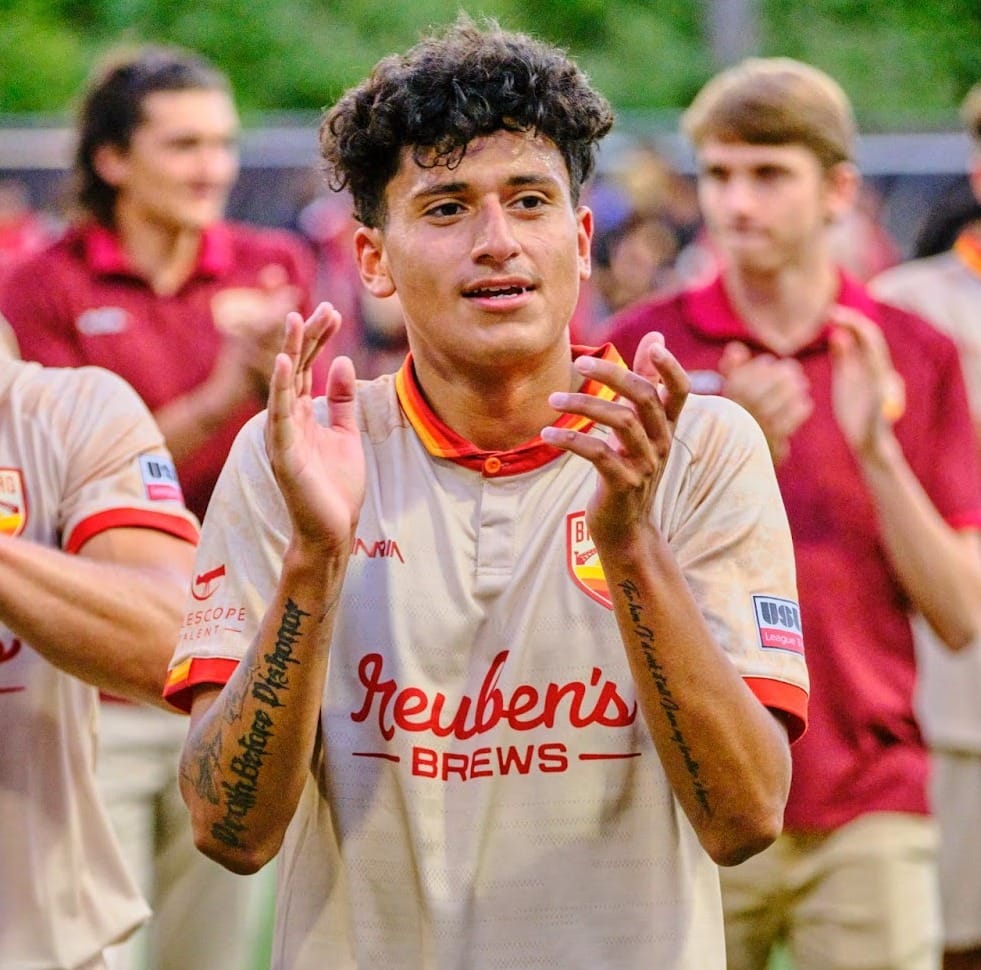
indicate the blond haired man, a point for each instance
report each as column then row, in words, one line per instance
column 853, row 396
column 946, row 290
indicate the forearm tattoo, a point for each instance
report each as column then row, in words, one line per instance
column 648, row 646
column 270, row 682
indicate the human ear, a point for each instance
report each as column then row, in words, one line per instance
column 369, row 250
column 842, row 183
column 584, row 217
column 109, row 163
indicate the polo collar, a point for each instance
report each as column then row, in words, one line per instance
column 106, row 256
column 441, row 441
column 709, row 311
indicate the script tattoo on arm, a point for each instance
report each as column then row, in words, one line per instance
column 267, row 686
column 670, row 707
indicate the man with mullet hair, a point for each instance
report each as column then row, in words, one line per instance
column 528, row 739
column 153, row 283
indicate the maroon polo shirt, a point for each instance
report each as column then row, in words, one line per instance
column 863, row 751
column 81, row 302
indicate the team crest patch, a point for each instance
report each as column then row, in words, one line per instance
column 13, row 502
column 583, row 560
column 778, row 624
column 160, row 478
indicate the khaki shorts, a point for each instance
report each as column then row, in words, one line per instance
column 864, row 897
column 956, row 793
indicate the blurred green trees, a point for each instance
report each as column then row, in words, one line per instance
column 904, row 64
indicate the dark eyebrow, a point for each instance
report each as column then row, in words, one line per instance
column 457, row 188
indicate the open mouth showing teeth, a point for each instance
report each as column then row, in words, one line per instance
column 498, row 291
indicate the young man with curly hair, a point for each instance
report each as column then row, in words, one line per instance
column 503, row 653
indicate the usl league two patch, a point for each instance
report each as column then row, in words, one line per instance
column 778, row 624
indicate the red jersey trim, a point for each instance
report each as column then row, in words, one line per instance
column 105, row 254
column 787, row 698
column 442, row 441
column 130, row 519
column 178, row 688
column 967, row 248
column 711, row 313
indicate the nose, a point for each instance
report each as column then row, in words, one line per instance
column 494, row 240
column 738, row 195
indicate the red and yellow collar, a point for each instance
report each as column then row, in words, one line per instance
column 442, row 441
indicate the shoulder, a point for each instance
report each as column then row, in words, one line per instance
column 63, row 257
column 660, row 312
column 265, row 239
column 639, row 314
column 710, row 420
column 915, row 344
column 905, row 282
column 81, row 397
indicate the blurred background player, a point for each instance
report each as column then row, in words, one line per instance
column 152, row 283
column 946, row 290
column 854, row 397
column 96, row 550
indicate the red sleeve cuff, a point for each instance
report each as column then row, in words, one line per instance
column 174, row 525
column 182, row 679
column 789, row 699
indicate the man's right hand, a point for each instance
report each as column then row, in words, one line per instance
column 774, row 390
column 319, row 468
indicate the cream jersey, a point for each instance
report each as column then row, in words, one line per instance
column 946, row 290
column 79, row 454
column 485, row 793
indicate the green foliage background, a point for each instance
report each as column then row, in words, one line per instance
column 905, row 64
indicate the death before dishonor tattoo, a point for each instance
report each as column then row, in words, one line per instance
column 268, row 685
column 671, row 708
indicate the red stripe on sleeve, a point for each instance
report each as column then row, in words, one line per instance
column 787, row 698
column 215, row 671
column 174, row 525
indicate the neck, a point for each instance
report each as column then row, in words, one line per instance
column 164, row 256
column 784, row 309
column 497, row 411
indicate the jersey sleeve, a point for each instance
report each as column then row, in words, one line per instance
column 728, row 528
column 117, row 470
column 237, row 568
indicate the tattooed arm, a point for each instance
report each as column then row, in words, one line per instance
column 726, row 756
column 250, row 744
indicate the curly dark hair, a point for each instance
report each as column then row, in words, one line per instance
column 457, row 84
column 112, row 109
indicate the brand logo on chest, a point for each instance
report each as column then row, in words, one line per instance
column 101, row 321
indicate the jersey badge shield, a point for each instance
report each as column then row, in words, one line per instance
column 13, row 502
column 583, row 560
